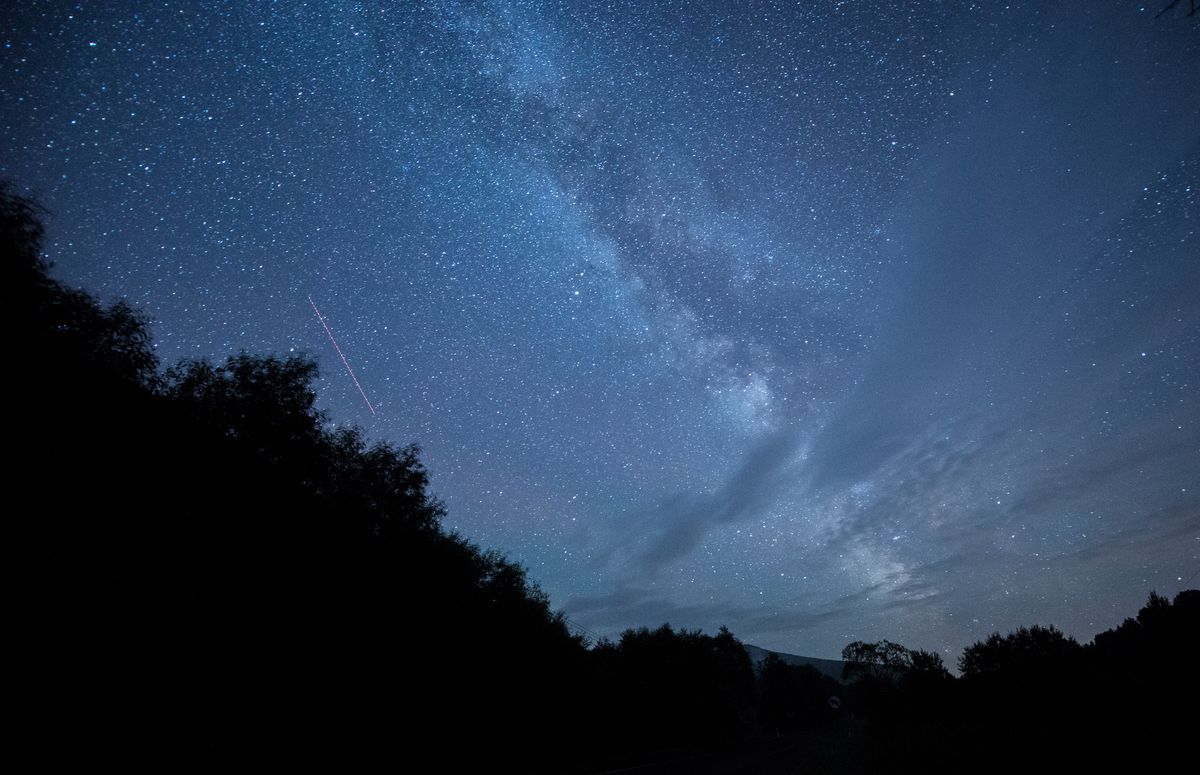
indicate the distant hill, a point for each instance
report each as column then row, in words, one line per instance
column 829, row 667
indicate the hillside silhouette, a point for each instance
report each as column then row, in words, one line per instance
column 205, row 575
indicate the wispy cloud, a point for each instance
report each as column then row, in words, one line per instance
column 682, row 522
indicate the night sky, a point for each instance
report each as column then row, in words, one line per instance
column 821, row 320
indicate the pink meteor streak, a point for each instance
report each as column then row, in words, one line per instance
column 349, row 370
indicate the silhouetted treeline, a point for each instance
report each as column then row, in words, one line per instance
column 1035, row 698
column 676, row 688
column 203, row 573
column 206, row 574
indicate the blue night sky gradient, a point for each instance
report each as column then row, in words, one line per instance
column 825, row 321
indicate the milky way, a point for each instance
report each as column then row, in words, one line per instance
column 824, row 321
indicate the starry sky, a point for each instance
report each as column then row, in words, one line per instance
column 821, row 320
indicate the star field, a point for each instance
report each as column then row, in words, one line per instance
column 825, row 321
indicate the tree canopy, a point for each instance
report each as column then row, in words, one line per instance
column 1023, row 648
column 888, row 661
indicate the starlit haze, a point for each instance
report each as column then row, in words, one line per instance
column 821, row 320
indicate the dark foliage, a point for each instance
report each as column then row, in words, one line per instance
column 889, row 662
column 796, row 697
column 206, row 576
column 1023, row 649
column 1035, row 695
column 668, row 689
column 202, row 574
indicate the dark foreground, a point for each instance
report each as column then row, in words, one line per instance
column 202, row 573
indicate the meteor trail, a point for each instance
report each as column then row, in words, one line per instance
column 349, row 370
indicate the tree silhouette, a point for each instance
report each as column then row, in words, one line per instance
column 887, row 661
column 1022, row 649
column 666, row 688
column 213, row 576
column 203, row 574
column 57, row 327
column 927, row 663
